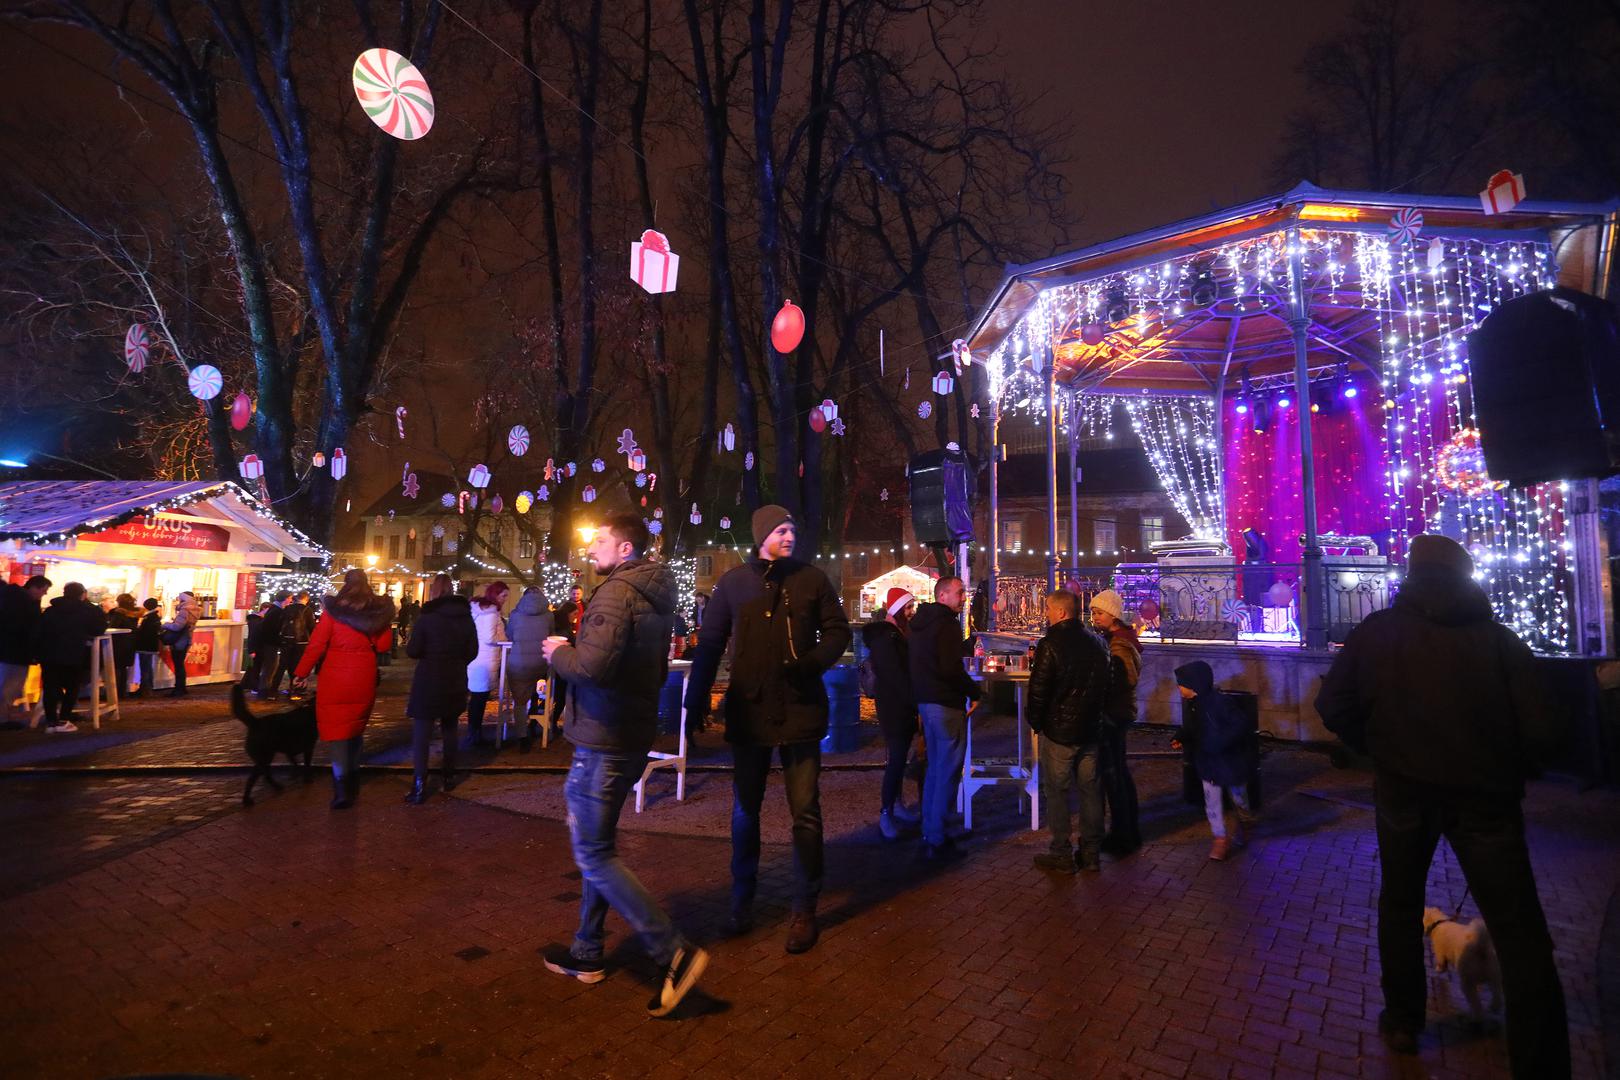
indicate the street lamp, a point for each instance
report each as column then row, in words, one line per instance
column 371, row 561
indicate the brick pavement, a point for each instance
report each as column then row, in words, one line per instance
column 289, row 940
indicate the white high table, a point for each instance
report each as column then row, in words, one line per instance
column 990, row 772
column 658, row 759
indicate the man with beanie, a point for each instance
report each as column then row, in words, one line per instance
column 887, row 659
column 785, row 626
column 1447, row 702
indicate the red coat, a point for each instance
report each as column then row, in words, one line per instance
column 344, row 646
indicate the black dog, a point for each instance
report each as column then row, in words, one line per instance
column 291, row 732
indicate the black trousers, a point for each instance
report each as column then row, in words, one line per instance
column 178, row 655
column 422, row 737
column 899, row 733
column 1487, row 834
column 1119, row 789
column 59, row 689
column 801, row 776
column 286, row 663
column 477, row 702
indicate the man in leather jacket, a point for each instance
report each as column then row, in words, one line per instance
column 1068, row 688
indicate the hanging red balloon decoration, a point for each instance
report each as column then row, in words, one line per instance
column 241, row 412
column 787, row 329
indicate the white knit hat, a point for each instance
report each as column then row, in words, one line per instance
column 1110, row 603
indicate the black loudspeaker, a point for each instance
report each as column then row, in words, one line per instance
column 941, row 497
column 1546, row 386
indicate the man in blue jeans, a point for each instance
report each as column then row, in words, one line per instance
column 615, row 670
column 1068, row 687
column 943, row 689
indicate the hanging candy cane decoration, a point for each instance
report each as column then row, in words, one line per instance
column 399, row 421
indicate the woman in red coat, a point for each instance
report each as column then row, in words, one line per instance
column 355, row 626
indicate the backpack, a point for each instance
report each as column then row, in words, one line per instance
column 866, row 674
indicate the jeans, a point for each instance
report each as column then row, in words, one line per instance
column 898, row 735
column 1119, row 789
column 595, row 791
column 422, row 736
column 177, row 653
column 148, row 662
column 1058, row 764
column 1486, row 832
column 59, row 688
column 1215, row 810
column 945, row 731
column 801, row 776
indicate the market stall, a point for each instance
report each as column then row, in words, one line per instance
column 154, row 539
column 918, row 581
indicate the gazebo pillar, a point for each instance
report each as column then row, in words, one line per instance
column 1074, row 476
column 993, row 579
column 1051, row 467
column 1313, row 590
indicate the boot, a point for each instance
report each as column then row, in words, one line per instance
column 1220, row 850
column 448, row 778
column 1090, row 858
column 802, row 932
column 341, row 798
column 889, row 827
column 418, row 793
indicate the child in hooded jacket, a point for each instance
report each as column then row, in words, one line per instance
column 1217, row 738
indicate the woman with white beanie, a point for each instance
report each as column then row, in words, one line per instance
column 1124, row 834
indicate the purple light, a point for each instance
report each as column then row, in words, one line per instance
column 1242, row 407
column 1283, row 402
column 1350, row 391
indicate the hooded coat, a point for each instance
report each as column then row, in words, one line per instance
column 528, row 627
column 786, row 626
column 1219, row 738
column 178, row 629
column 443, row 641
column 1439, row 692
column 617, row 665
column 889, row 653
column 124, row 618
column 484, row 673
column 348, row 636
column 1125, row 666
column 66, row 629
column 937, row 650
column 1068, row 685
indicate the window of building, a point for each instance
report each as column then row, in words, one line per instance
column 861, row 567
column 1012, row 536
column 379, row 543
column 393, row 546
column 410, row 546
column 1152, row 529
column 1104, row 537
column 525, row 547
column 705, row 566
column 438, row 544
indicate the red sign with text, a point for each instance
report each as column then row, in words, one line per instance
column 247, row 591
column 165, row 532
column 199, row 658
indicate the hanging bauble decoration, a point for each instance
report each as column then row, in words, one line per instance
column 241, row 411
column 393, row 93
column 205, row 382
column 1092, row 333
column 644, row 501
column 589, row 494
column 1460, row 465
column 818, row 421
column 1405, row 225
column 137, row 347
column 340, row 464
column 496, row 505
column 787, row 329
column 523, row 502
column 696, row 516
column 598, row 465
column 517, row 440
column 925, row 409
column 478, row 476
column 637, row 459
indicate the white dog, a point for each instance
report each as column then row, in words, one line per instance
column 1466, row 949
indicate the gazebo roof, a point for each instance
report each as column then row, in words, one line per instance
column 1203, row 347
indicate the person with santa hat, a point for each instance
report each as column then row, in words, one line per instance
column 886, row 676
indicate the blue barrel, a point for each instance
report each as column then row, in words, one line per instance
column 843, row 709
column 669, row 704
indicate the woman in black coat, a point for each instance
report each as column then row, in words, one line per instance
column 443, row 641
column 885, row 641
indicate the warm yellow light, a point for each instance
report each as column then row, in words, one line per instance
column 371, row 560
column 587, row 533
column 1329, row 212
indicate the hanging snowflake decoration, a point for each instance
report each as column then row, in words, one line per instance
column 451, row 545
column 598, row 465
column 1460, row 465
column 925, row 409
column 438, row 531
column 627, row 442
column 447, row 500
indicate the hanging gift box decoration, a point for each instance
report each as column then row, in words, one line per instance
column 478, row 476
column 340, row 464
column 659, row 513
column 696, row 516
column 725, row 523
column 137, row 347
column 411, row 488
column 638, row 459
column 524, row 500
column 829, row 409
column 598, row 465
column 652, row 265
column 205, row 382
column 1503, row 192
column 517, row 440
column 787, row 329
column 729, row 437
column 393, row 93
column 318, row 460
column 818, row 420
column 252, row 468
column 589, row 494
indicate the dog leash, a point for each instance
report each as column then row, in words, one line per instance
column 1467, row 888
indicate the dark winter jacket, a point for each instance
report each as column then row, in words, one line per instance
column 270, row 628
column 124, row 644
column 445, row 641
column 887, row 651
column 527, row 629
column 1219, row 739
column 348, row 637
column 786, row 626
column 617, row 667
column 148, row 635
column 19, row 624
column 1439, row 692
column 1068, row 685
column 566, row 619
column 1125, row 669
column 66, row 629
column 937, row 649
column 297, row 623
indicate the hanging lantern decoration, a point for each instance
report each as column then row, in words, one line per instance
column 399, row 421
column 523, row 502
column 589, row 494
column 137, row 347
column 1503, row 192
column 411, row 488
column 340, row 464
column 728, row 438
column 787, row 329
column 818, row 420
column 205, row 382
column 393, row 93
column 251, row 467
column 478, row 476
column 517, row 440
column 696, row 516
column 598, row 465
column 725, row 523
column 638, row 460
column 943, row 382
column 241, row 411
column 652, row 265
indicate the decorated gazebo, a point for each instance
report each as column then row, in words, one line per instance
column 1210, row 340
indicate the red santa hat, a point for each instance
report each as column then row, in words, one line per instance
column 897, row 601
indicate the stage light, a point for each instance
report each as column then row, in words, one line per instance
column 1284, row 401
column 1351, row 391
column 1204, row 291
column 1119, row 309
column 1242, row 407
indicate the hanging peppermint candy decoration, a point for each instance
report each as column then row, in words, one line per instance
column 524, row 500
column 517, row 440
column 925, row 409
column 205, row 382
column 598, row 465
column 318, row 460
column 399, row 421
column 725, row 523
column 241, row 411
column 655, row 527
column 478, row 476
column 748, row 461
column 818, row 420
column 696, row 516
column 728, row 438
column 393, row 93
column 411, row 488
column 137, row 347
column 589, row 494
column 641, row 479
column 1235, row 611
column 638, row 461
column 340, row 464
column 251, row 467
column 447, row 500
column 1405, row 225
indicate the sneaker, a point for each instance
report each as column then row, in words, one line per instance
column 682, row 975
column 906, row 815
column 1055, row 862
column 889, row 827
column 64, row 727
column 1220, row 850
column 559, row 959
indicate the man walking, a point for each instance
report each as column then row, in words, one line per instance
column 942, row 688
column 297, row 623
column 19, row 645
column 615, row 670
column 66, row 629
column 266, row 656
column 785, row 625
column 1447, row 702
column 1068, row 687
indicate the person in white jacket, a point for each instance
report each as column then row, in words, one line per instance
column 484, row 673
column 177, row 636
